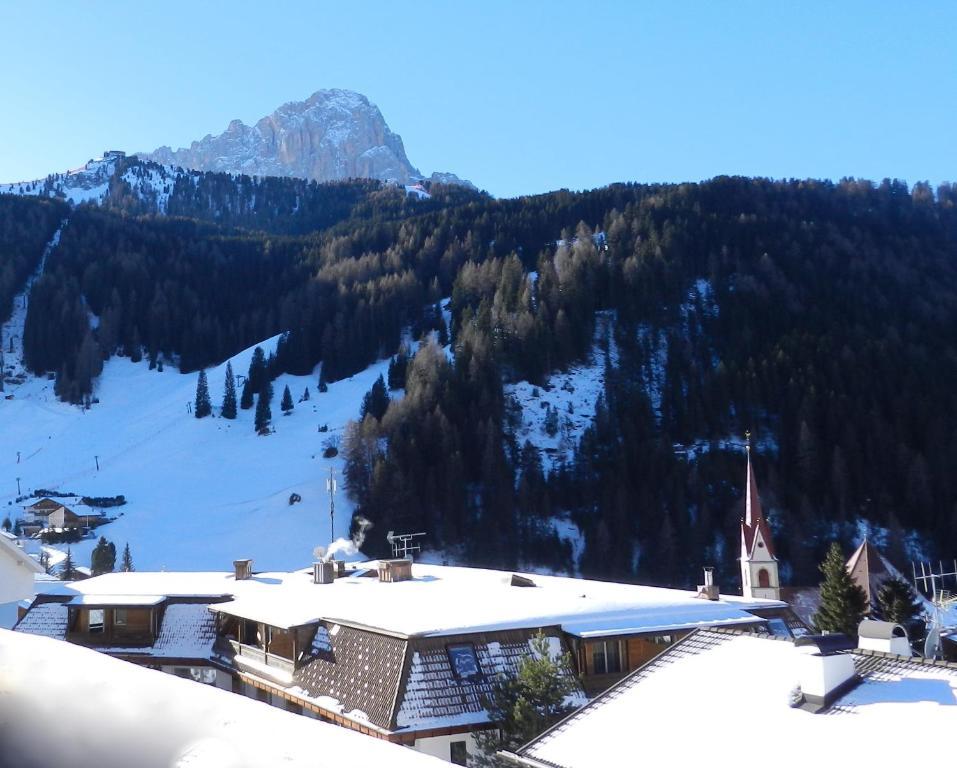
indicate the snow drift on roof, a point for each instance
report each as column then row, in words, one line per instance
column 157, row 720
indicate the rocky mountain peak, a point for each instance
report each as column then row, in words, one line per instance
column 333, row 134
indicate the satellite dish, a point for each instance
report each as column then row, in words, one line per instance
column 390, row 537
column 319, row 553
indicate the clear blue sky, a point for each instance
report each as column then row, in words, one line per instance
column 517, row 96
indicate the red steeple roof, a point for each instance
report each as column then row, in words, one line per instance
column 754, row 519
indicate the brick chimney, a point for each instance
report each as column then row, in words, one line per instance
column 243, row 569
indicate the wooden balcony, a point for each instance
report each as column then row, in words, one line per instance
column 259, row 656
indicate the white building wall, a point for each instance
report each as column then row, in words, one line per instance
column 441, row 746
column 16, row 577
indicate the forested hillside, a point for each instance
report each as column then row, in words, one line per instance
column 820, row 316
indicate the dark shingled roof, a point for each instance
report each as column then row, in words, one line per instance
column 434, row 695
column 359, row 668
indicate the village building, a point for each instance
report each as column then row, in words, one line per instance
column 398, row 650
column 810, row 700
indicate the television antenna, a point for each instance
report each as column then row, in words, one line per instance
column 332, row 487
column 403, row 544
column 934, row 583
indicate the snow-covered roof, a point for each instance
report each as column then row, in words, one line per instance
column 277, row 613
column 188, row 632
column 441, row 600
column 716, row 683
column 161, row 719
column 47, row 619
column 131, row 601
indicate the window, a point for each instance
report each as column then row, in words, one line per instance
column 606, row 657
column 119, row 617
column 96, row 621
column 764, row 580
column 463, row 660
column 458, row 754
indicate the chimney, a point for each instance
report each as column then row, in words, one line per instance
column 884, row 637
column 825, row 671
column 323, row 572
column 708, row 590
column 395, row 570
column 243, row 569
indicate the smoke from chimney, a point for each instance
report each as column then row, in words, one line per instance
column 350, row 547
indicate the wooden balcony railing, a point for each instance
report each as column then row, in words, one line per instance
column 262, row 657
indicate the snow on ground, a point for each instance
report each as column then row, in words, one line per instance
column 200, row 492
column 162, row 720
column 88, row 183
column 568, row 531
column 570, row 395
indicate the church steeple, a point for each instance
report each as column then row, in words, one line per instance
column 759, row 566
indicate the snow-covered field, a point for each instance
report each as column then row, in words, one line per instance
column 200, row 492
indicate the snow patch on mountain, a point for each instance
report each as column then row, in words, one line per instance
column 91, row 183
column 555, row 415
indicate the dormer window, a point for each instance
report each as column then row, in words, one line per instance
column 464, row 661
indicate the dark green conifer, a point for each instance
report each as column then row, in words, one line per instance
column 843, row 603
column 263, row 411
column 229, row 394
column 897, row 602
column 203, row 407
column 286, row 404
column 126, row 564
column 103, row 559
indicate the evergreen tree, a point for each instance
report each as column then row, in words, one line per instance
column 202, row 407
column 527, row 704
column 397, row 368
column 126, row 564
column 286, row 404
column 229, row 394
column 7, row 524
column 247, row 397
column 103, row 559
column 843, row 603
column 305, row 395
column 263, row 411
column 897, row 602
column 322, row 380
column 376, row 400
column 68, row 570
column 254, row 379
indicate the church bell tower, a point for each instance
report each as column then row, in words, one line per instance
column 759, row 566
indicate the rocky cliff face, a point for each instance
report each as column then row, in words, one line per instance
column 334, row 134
